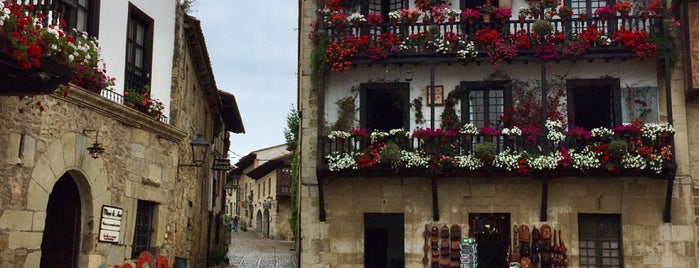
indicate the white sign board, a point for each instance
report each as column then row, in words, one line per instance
column 110, row 224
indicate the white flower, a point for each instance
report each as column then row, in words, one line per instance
column 604, row 40
column 469, row 50
column 469, row 129
column 507, row 160
column 633, row 162
column 655, row 162
column 601, row 132
column 356, row 17
column 336, row 134
column 377, row 135
column 651, row 130
column 542, row 162
column 394, row 15
column 584, row 160
column 469, row 161
column 414, row 159
column 398, row 132
column 514, row 131
column 554, row 131
column 340, row 161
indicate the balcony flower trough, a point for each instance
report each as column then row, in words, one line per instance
column 555, row 151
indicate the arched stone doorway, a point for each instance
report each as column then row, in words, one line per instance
column 61, row 240
column 258, row 221
column 265, row 224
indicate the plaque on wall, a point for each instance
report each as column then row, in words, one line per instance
column 110, row 224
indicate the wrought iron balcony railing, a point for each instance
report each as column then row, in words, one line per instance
column 568, row 29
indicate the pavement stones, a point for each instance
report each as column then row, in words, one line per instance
column 248, row 250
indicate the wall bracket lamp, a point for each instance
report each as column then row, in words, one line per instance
column 96, row 149
column 199, row 147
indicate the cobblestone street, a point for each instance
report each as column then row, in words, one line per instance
column 249, row 250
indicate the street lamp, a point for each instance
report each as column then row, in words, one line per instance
column 199, row 147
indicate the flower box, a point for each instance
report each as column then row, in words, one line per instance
column 15, row 81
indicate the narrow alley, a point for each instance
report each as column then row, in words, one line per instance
column 247, row 250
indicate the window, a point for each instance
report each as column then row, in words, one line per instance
column 382, row 6
column 587, row 6
column 384, row 106
column 485, row 102
column 139, row 47
column 82, row 15
column 600, row 240
column 594, row 103
column 492, row 233
column 143, row 229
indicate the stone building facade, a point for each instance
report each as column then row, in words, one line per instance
column 142, row 193
column 261, row 199
column 345, row 212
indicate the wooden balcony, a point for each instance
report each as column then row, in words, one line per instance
column 569, row 29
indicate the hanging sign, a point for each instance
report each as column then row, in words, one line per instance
column 222, row 164
column 110, row 224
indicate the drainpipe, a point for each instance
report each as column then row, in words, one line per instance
column 435, row 196
column 667, row 212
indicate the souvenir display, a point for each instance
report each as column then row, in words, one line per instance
column 444, row 252
column 455, row 232
column 469, row 252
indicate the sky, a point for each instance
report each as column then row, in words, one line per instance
column 253, row 51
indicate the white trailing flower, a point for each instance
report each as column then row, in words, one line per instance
column 414, row 159
column 651, row 130
column 338, row 134
column 469, row 129
column 394, row 15
column 469, row 50
column 633, row 161
column 340, row 161
column 469, row 161
column 440, row 45
column 601, row 132
column 507, row 160
column 513, row 131
column 377, row 135
column 655, row 162
column 356, row 17
column 604, row 40
column 584, row 160
column 399, row 132
column 554, row 128
column 549, row 161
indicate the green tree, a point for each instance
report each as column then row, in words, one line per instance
column 291, row 134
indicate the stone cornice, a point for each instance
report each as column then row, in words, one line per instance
column 120, row 113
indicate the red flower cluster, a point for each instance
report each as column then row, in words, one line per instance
column 639, row 41
column 339, row 54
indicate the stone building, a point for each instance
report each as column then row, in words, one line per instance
column 262, row 191
column 148, row 189
column 383, row 168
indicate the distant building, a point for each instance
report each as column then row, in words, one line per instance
column 262, row 192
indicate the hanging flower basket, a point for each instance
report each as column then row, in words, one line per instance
column 15, row 81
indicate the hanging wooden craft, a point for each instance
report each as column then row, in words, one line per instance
column 536, row 247
column 546, row 250
column 455, row 232
column 426, row 246
column 434, row 242
column 445, row 253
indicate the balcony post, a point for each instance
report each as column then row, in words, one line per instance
column 432, row 117
column 544, row 197
column 435, row 199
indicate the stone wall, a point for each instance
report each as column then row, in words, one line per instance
column 139, row 162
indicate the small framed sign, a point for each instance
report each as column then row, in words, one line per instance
column 110, row 224
column 438, row 95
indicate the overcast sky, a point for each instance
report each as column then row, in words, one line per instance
column 252, row 46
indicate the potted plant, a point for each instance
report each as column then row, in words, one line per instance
column 468, row 131
column 522, row 14
column 394, row 17
column 565, row 12
column 410, row 15
column 453, row 14
column 542, row 27
column 485, row 151
column 489, row 132
column 579, row 133
column 359, row 133
column 604, row 12
column 624, row 8
column 502, row 14
column 356, row 19
column 486, row 11
column 374, row 19
column 470, row 15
